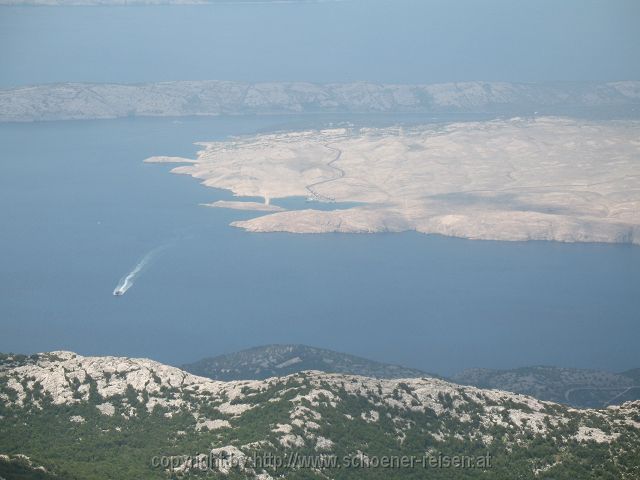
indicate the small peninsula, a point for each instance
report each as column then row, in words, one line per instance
column 544, row 178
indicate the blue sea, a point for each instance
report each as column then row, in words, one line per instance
column 79, row 209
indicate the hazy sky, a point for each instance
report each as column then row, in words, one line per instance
column 411, row 41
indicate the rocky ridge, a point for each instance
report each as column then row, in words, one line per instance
column 53, row 406
column 66, row 101
column 582, row 388
column 278, row 360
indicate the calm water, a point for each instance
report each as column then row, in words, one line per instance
column 79, row 209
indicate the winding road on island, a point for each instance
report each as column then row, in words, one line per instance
column 341, row 174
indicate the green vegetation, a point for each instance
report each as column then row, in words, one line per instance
column 308, row 415
column 278, row 360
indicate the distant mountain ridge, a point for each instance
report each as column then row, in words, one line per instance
column 577, row 387
column 266, row 361
column 65, row 101
column 581, row 388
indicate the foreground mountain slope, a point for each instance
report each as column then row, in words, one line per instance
column 267, row 361
column 110, row 417
column 20, row 467
column 573, row 386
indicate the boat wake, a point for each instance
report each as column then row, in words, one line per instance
column 128, row 280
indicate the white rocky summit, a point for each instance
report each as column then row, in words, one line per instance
column 544, row 178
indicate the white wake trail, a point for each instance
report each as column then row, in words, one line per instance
column 128, row 280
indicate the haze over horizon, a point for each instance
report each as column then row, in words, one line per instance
column 406, row 41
